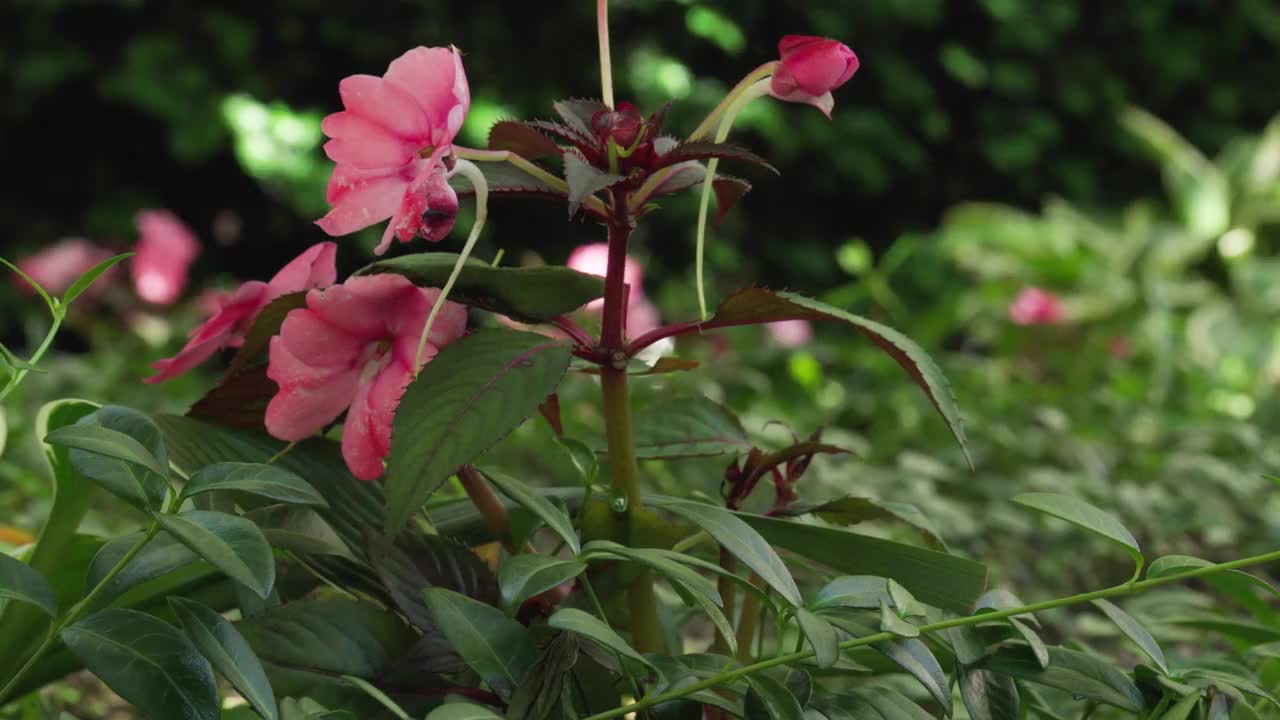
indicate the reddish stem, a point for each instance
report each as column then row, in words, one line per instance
column 575, row 332
column 614, row 325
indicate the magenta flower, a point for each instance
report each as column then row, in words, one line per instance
column 791, row 333
column 593, row 259
column 810, row 68
column 58, row 265
column 236, row 311
column 389, row 144
column 166, row 248
column 353, row 348
column 1034, row 306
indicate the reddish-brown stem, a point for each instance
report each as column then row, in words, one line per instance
column 575, row 332
column 684, row 328
column 490, row 507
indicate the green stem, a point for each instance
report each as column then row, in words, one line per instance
column 1129, row 588
column 21, row 373
column 606, row 65
column 75, row 612
column 599, row 608
column 490, row 507
column 752, row 78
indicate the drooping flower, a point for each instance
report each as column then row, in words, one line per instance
column 353, row 348
column 236, row 311
column 1034, row 306
column 389, row 145
column 791, row 333
column 58, row 265
column 810, row 68
column 593, row 259
column 165, row 250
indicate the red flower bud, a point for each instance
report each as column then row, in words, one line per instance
column 810, row 68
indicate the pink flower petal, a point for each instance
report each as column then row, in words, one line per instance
column 362, row 143
column 216, row 333
column 366, row 434
column 387, row 105
column 309, row 398
column 166, row 248
column 361, row 199
column 434, row 77
column 58, row 265
column 317, row 343
column 314, row 268
column 593, row 259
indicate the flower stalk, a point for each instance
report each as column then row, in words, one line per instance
column 606, row 64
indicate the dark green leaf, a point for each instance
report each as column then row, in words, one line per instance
column 1179, row 564
column 853, row 591
column 890, row 621
column 83, row 282
column 414, row 564
column 1232, row 680
column 470, row 396
column 554, row 517
column 752, row 306
column 299, row 529
column 19, row 582
column 689, row 426
column 380, row 697
column 308, row 709
column 265, row 325
column 911, row 654
column 230, row 543
column 592, row 628
column 147, row 662
column 161, row 555
column 1081, row 675
column 578, row 113
column 523, row 576
column 1078, row 512
column 769, row 699
column 121, row 450
column 741, row 541
column 463, row 711
column 1033, row 641
column 538, row 693
column 583, row 458
column 228, row 652
column 822, row 636
column 853, row 510
column 700, row 150
column 266, row 481
column 1134, row 631
column 499, row 649
column 1183, row 709
column 530, row 294
column 988, row 696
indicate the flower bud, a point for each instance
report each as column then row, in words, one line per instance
column 810, row 68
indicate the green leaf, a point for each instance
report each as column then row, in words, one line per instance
column 1177, row 564
column 523, row 576
column 521, row 139
column 463, row 711
column 121, row 450
column 1134, row 631
column 1081, row 675
column 19, row 582
column 988, row 696
column 584, row 179
column 582, row 457
column 1183, row 709
column 308, row 709
column 83, row 282
column 890, row 621
column 1078, row 512
column 4, row 430
column 414, row 564
column 741, row 541
column 691, row 426
column 266, row 481
column 592, row 628
column 852, row 510
column 470, row 396
column 230, row 543
column 1240, row 683
column 529, row 294
column 49, row 301
column 372, row 691
column 769, row 699
column 540, row 691
column 822, row 636
column 1033, row 641
column 910, row 654
column 161, row 555
column 299, row 529
column 499, row 649
column 853, row 591
column 752, row 306
column 147, row 662
column 228, row 652
column 554, row 517
column 938, row 579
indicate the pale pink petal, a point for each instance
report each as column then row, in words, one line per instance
column 824, row 102
column 642, row 317
column 58, row 265
column 434, row 77
column 317, row 343
column 450, row 324
column 385, row 104
column 314, row 268
column 593, row 259
column 219, row 331
column 362, row 143
column 361, row 199
column 363, row 305
column 791, row 333
column 165, row 250
column 366, row 433
column 309, row 398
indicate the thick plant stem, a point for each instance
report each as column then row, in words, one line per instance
column 490, row 507
column 1129, row 588
column 624, row 471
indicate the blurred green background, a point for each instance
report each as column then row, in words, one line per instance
column 1121, row 155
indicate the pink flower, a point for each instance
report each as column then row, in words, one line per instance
column 166, row 248
column 236, row 311
column 57, row 266
column 593, row 259
column 811, row 67
column 791, row 333
column 352, row 348
column 389, row 143
column 1034, row 306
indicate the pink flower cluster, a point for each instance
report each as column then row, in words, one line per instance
column 1034, row 306
column 642, row 314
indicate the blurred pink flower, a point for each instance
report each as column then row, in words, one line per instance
column 57, row 266
column 165, row 250
column 352, row 348
column 237, row 310
column 1120, row 347
column 810, row 68
column 791, row 333
column 1034, row 306
column 593, row 259
column 389, row 143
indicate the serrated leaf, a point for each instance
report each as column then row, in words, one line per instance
column 1074, row 672
column 524, row 576
column 988, row 696
column 526, row 497
column 1134, row 631
column 499, row 649
column 729, row 190
column 741, row 541
column 259, row 479
column 18, row 582
column 754, row 306
column 230, row 543
column 161, row 555
column 228, row 652
column 822, row 637
column 592, row 628
column 578, row 112
column 470, row 396
column 1078, row 512
column 703, row 150
column 769, row 699
column 521, row 139
column 147, row 662
column 687, row 426
column 529, row 294
column 87, row 279
column 504, row 178
column 265, row 325
column 584, row 179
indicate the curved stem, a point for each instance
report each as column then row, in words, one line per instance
column 751, row 78
column 21, row 373
column 606, row 64
column 590, row 203
column 490, row 507
column 1126, row 589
